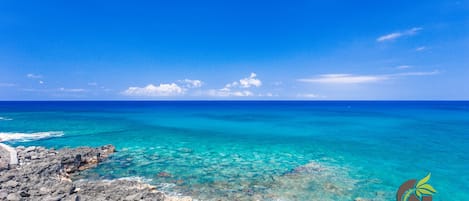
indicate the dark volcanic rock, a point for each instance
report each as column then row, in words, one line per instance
column 44, row 174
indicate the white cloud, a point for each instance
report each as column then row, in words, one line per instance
column 403, row 67
column 151, row 90
column 191, row 83
column 250, row 81
column 71, row 90
column 238, row 88
column 170, row 89
column 422, row 48
column 360, row 79
column 396, row 35
column 92, row 84
column 33, row 76
column 41, row 82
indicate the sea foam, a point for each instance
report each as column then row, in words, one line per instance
column 136, row 178
column 5, row 119
column 25, row 137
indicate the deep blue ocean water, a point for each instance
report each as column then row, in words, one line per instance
column 249, row 150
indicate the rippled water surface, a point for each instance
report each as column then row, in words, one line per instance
column 261, row 150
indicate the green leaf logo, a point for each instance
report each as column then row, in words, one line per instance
column 421, row 189
column 424, row 189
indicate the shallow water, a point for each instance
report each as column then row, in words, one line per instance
column 262, row 150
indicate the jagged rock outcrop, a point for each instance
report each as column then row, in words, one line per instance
column 44, row 174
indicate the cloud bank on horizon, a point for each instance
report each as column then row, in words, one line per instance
column 213, row 50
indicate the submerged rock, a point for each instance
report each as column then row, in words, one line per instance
column 164, row 174
column 44, row 174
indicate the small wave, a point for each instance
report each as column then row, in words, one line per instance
column 5, row 119
column 25, row 137
column 135, row 178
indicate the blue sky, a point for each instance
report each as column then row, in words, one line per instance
column 314, row 50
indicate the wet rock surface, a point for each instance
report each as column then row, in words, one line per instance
column 44, row 174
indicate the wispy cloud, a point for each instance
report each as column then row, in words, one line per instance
column 97, row 86
column 73, row 90
column 360, row 79
column 343, row 79
column 33, row 76
column 401, row 67
column 277, row 83
column 310, row 96
column 268, row 94
column 421, row 48
column 7, row 85
column 225, row 92
column 435, row 72
column 171, row 89
column 238, row 88
column 395, row 35
column 61, row 89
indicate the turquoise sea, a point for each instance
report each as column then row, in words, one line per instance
column 260, row 150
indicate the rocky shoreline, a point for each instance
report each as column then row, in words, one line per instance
column 45, row 174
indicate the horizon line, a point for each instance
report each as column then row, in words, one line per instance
column 237, row 100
